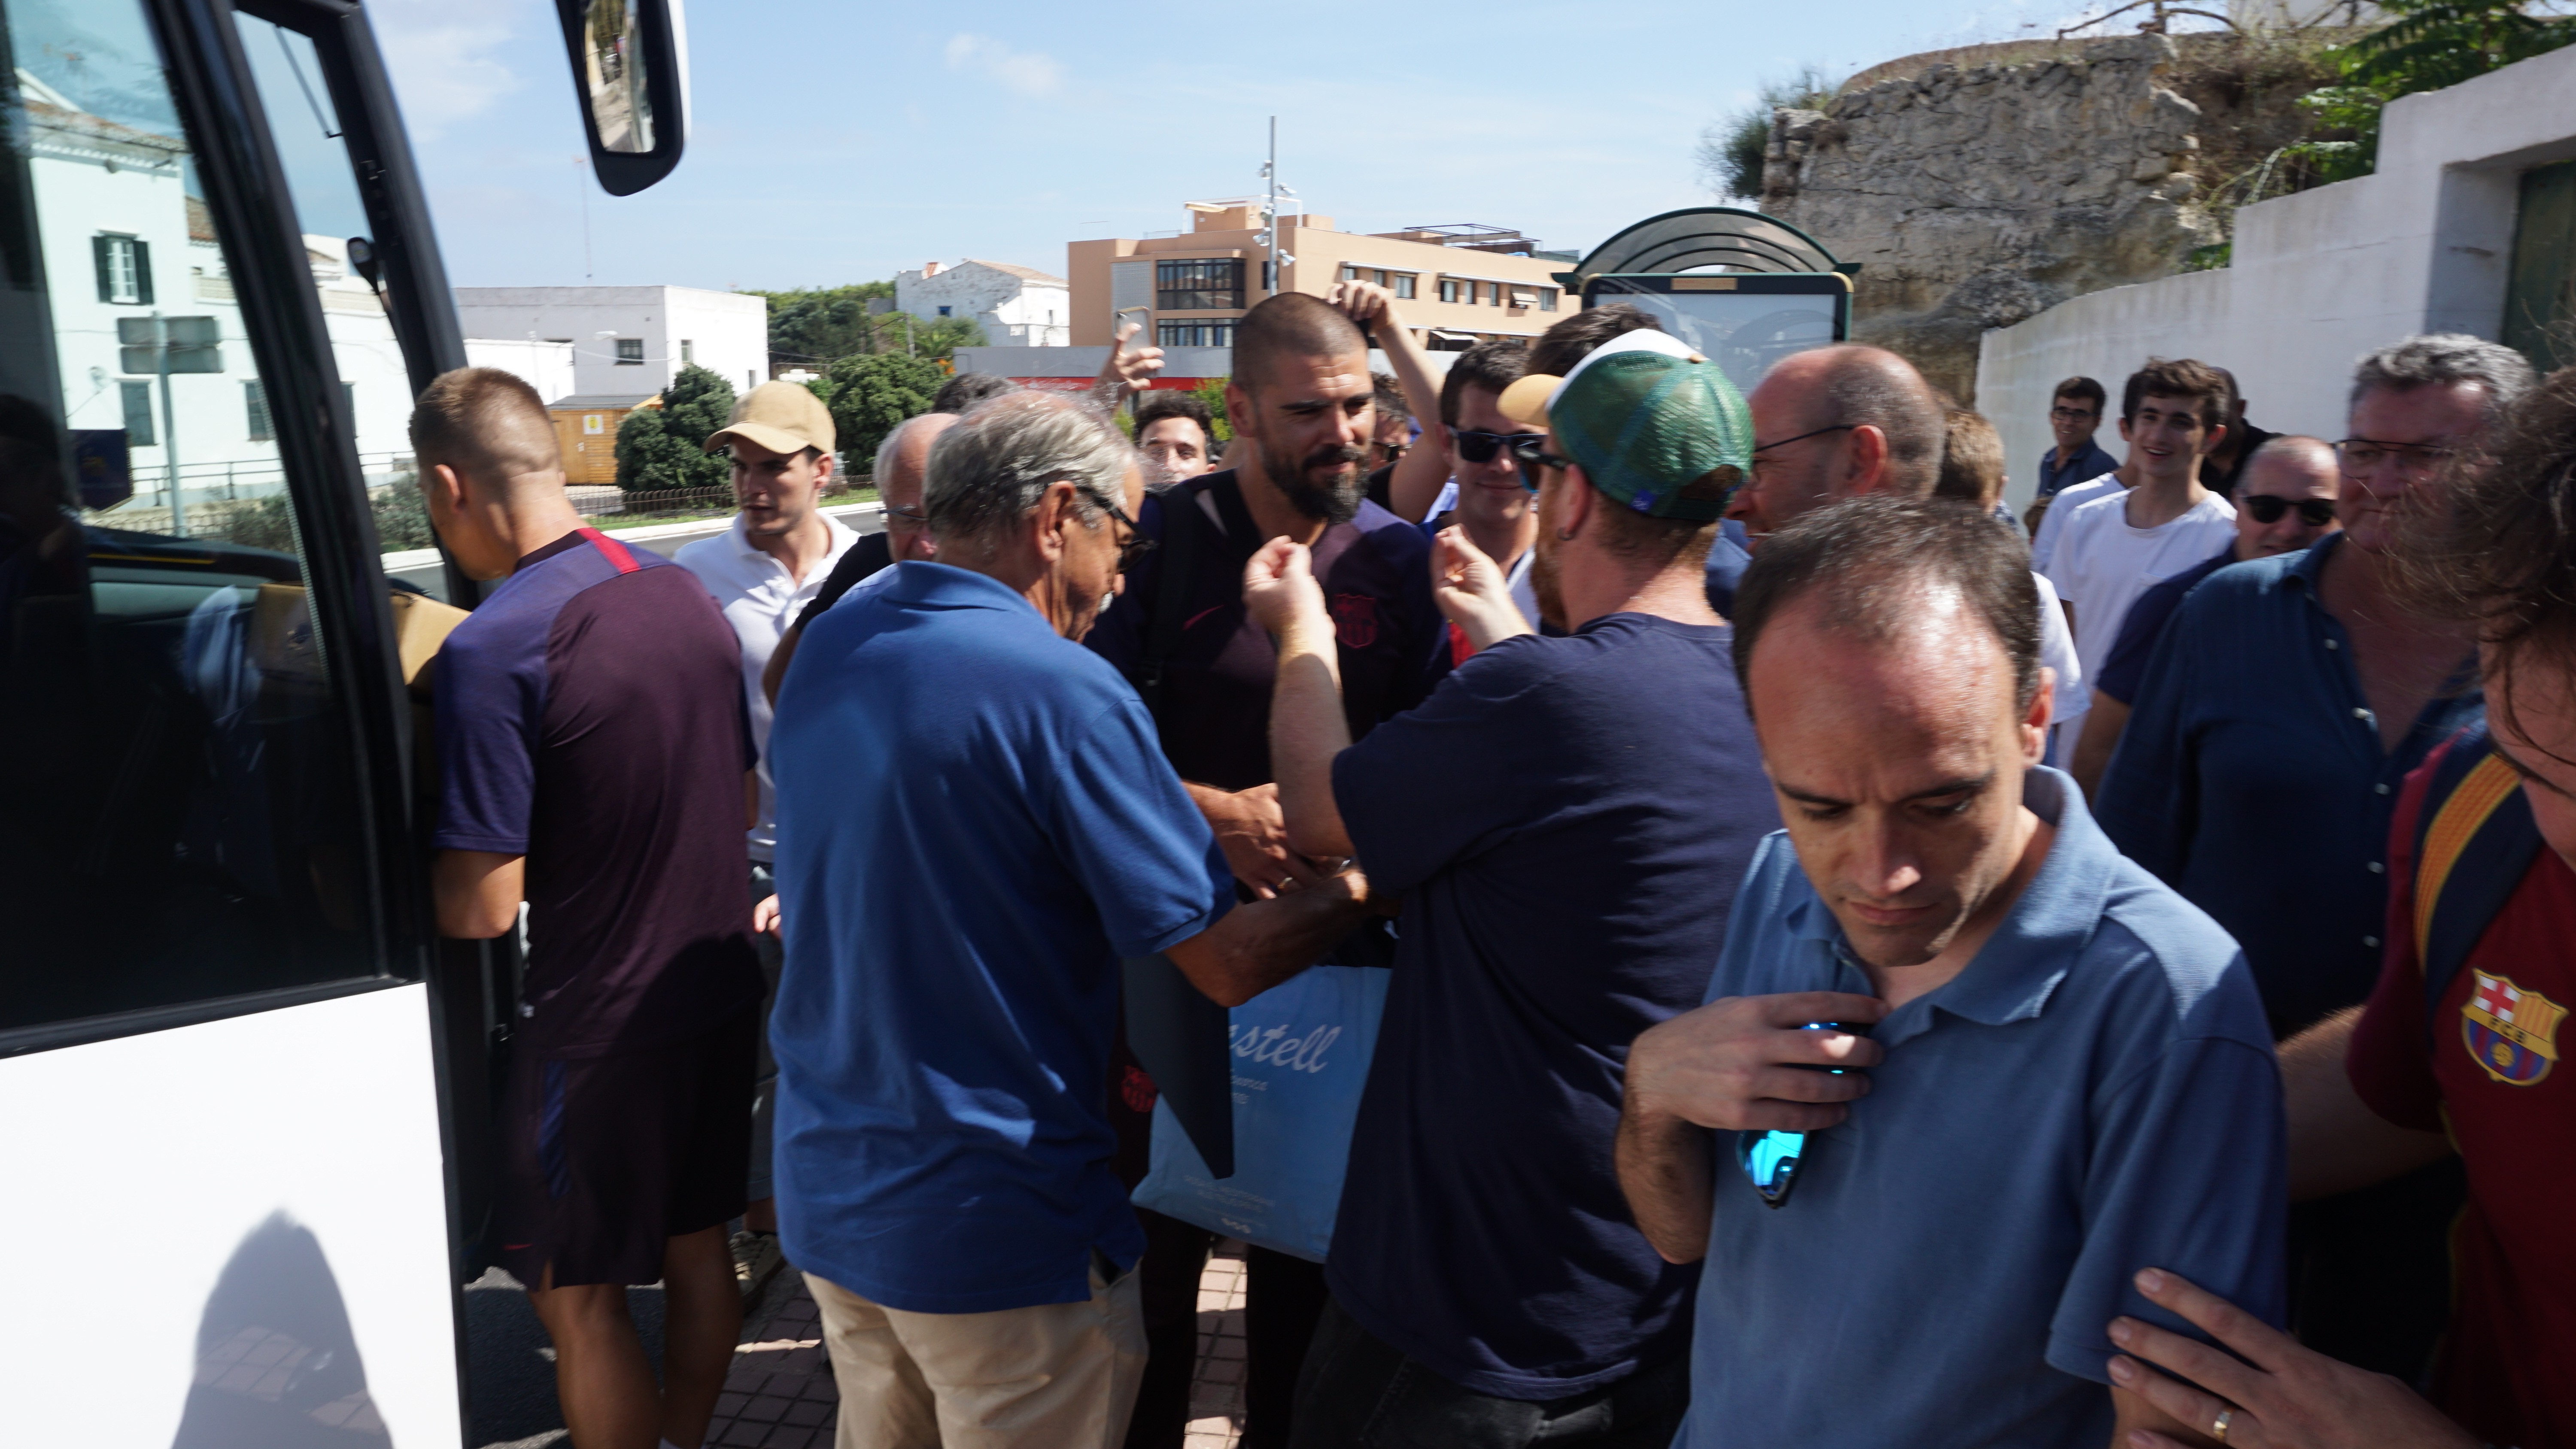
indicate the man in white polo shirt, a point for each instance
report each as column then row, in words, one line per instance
column 763, row 571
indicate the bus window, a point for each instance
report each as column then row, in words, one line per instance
column 323, row 185
column 180, row 814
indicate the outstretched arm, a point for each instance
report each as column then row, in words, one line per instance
column 1259, row 944
column 1307, row 727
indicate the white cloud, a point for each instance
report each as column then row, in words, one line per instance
column 1030, row 73
column 443, row 56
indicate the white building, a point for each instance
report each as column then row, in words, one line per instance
column 545, row 366
column 2464, row 227
column 123, row 241
column 1017, row 306
column 629, row 340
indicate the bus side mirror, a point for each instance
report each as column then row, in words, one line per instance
column 630, row 78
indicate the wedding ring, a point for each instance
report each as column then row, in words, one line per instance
column 2218, row 1430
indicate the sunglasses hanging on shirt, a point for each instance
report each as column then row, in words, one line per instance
column 1771, row 1159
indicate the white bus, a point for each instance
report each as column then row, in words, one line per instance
column 242, row 1082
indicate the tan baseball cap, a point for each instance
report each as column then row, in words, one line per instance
column 784, row 417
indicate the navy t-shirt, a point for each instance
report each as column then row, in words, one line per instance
column 591, row 718
column 1567, row 820
column 1215, row 705
column 2125, row 667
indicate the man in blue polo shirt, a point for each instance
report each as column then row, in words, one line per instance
column 2053, row 1071
column 975, row 824
column 2285, row 705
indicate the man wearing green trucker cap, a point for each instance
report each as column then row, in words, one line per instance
column 1566, row 819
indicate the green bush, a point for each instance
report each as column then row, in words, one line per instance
column 664, row 448
column 1730, row 152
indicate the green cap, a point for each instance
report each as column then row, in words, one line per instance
column 1646, row 417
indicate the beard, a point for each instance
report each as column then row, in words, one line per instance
column 1338, row 502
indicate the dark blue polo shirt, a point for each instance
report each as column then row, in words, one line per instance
column 974, row 824
column 1566, row 864
column 2126, row 665
column 2093, row 1095
column 591, row 718
column 2085, row 465
column 2251, row 779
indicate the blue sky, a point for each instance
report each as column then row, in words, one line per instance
column 839, row 142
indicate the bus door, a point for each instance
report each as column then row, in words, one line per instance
column 225, row 1185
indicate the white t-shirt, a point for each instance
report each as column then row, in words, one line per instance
column 2063, row 506
column 2070, row 696
column 759, row 600
column 2102, row 564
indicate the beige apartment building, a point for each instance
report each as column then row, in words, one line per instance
column 1455, row 285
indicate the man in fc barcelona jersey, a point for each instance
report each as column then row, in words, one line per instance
column 2462, row 1045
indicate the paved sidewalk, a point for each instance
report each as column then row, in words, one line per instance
column 780, row 1393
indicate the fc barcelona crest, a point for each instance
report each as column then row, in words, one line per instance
column 2513, row 1033
column 1355, row 620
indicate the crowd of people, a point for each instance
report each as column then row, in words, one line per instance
column 1862, row 968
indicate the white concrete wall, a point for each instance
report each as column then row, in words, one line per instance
column 545, row 366
column 2320, row 278
column 1014, row 311
column 725, row 332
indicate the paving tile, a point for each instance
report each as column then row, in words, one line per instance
column 765, row 1409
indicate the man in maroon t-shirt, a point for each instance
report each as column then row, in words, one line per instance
column 1302, row 404
column 2459, row 1046
column 594, row 750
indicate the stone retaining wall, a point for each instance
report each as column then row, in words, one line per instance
column 1977, row 198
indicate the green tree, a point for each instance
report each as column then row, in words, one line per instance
column 664, row 448
column 2426, row 45
column 818, row 326
column 1730, row 151
column 872, row 393
column 1212, row 392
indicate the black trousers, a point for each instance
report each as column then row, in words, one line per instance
column 1358, row 1392
column 1283, row 1296
column 2370, row 1270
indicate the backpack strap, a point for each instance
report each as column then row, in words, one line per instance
column 2474, row 840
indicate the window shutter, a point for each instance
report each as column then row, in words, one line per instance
column 142, row 271
column 106, row 269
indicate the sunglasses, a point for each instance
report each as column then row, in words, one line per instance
column 1480, row 447
column 1771, row 1159
column 1530, row 458
column 2314, row 512
column 1136, row 545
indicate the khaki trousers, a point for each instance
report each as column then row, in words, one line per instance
column 1057, row 1376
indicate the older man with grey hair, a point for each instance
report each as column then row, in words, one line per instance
column 976, row 825
column 2259, row 772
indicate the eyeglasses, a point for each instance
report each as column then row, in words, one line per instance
column 2266, row 508
column 2363, row 455
column 1802, row 437
column 1771, row 1159
column 1529, row 457
column 1136, row 545
column 909, row 517
column 1480, row 447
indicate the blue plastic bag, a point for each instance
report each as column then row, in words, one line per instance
column 1301, row 1056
